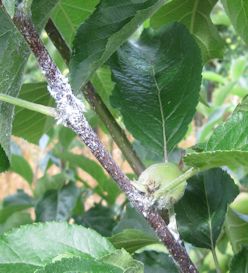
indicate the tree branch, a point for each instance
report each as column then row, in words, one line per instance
column 98, row 105
column 70, row 114
column 58, row 41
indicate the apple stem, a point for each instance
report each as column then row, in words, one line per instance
column 176, row 182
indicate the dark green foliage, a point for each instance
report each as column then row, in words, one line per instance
column 201, row 212
column 157, row 262
column 145, row 60
column 157, row 79
column 104, row 31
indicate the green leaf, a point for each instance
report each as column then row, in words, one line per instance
column 104, row 86
column 66, row 136
column 239, row 262
column 132, row 240
column 57, row 205
column 214, row 159
column 237, row 229
column 78, row 265
column 105, row 184
column 157, row 262
column 201, row 212
column 31, row 125
column 237, row 223
column 131, row 219
column 228, row 145
column 157, row 85
column 117, row 262
column 22, row 167
column 48, row 182
column 19, row 198
column 14, row 203
column 103, row 32
column 99, row 218
column 123, row 260
column 34, row 246
column 221, row 93
column 238, row 13
column 69, row 14
column 11, row 44
column 214, row 118
column 15, row 220
column 194, row 14
column 10, row 6
column 238, row 67
column 11, row 70
column 41, row 10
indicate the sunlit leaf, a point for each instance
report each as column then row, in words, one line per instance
column 195, row 15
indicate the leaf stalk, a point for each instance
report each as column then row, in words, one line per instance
column 45, row 110
column 176, row 182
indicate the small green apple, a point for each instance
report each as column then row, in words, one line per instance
column 162, row 176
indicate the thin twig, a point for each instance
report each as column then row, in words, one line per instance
column 98, row 105
column 70, row 114
column 58, row 41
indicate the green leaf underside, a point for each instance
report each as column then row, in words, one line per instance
column 117, row 262
column 38, row 244
column 69, row 14
column 18, row 268
column 236, row 229
column 31, row 125
column 195, row 14
column 238, row 13
column 122, row 259
column 103, row 32
column 201, row 212
column 132, row 240
column 9, row 6
column 216, row 159
column 228, row 145
column 79, row 265
column 157, row 85
column 239, row 262
column 60, row 247
column 12, row 44
column 57, row 205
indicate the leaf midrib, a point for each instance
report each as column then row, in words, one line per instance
column 209, row 218
column 161, row 113
column 194, row 11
